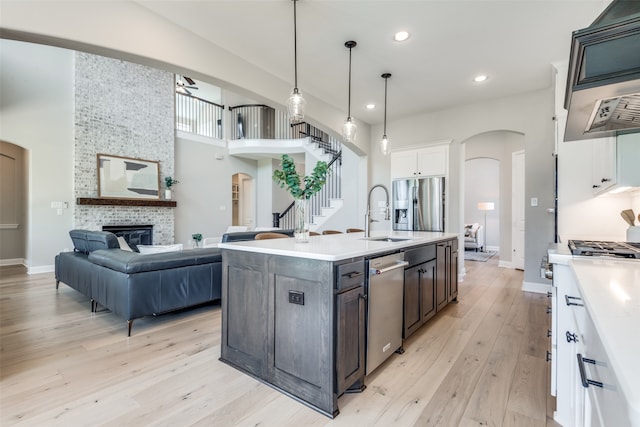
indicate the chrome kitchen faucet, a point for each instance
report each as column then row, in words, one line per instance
column 367, row 216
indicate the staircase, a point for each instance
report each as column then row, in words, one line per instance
column 327, row 201
column 258, row 129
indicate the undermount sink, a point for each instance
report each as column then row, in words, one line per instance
column 387, row 239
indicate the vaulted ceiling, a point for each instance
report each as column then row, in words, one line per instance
column 513, row 42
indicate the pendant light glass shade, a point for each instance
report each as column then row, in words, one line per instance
column 384, row 145
column 296, row 103
column 349, row 128
column 384, row 142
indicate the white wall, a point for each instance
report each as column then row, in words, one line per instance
column 36, row 113
column 89, row 27
column 204, row 192
column 528, row 114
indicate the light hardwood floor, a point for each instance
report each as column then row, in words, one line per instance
column 479, row 362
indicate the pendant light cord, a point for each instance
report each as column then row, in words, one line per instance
column 386, row 79
column 295, row 46
column 349, row 105
column 385, row 76
column 350, row 45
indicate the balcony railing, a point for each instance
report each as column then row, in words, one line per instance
column 258, row 121
column 198, row 116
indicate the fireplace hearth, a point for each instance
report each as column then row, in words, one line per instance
column 134, row 234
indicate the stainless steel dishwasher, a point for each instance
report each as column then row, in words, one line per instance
column 384, row 309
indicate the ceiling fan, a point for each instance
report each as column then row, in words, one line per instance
column 183, row 88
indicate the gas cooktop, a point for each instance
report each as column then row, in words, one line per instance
column 612, row 249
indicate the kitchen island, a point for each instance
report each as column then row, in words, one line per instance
column 595, row 344
column 293, row 314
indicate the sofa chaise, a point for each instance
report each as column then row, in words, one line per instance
column 133, row 285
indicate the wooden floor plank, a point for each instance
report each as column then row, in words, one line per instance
column 477, row 362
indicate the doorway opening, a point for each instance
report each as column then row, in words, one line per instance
column 13, row 204
column 242, row 197
column 482, row 204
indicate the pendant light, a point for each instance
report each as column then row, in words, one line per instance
column 349, row 128
column 295, row 103
column 384, row 143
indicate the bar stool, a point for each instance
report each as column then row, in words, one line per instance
column 265, row 236
column 313, row 233
column 325, row 232
column 354, row 230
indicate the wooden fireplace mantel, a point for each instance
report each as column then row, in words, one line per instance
column 126, row 202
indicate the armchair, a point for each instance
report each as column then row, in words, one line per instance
column 474, row 236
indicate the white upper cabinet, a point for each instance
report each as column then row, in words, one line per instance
column 604, row 164
column 422, row 162
column 616, row 163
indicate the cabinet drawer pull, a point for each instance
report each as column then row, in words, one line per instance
column 549, row 333
column 362, row 296
column 569, row 301
column 571, row 337
column 549, row 309
column 549, row 294
column 583, row 375
column 548, row 356
column 353, row 274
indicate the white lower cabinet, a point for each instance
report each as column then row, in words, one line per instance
column 587, row 393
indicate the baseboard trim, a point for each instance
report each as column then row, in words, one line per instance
column 12, row 261
column 41, row 269
column 505, row 264
column 538, row 288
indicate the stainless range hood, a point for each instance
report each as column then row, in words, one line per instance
column 603, row 84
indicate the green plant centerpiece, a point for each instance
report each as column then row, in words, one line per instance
column 290, row 179
column 197, row 238
column 168, row 182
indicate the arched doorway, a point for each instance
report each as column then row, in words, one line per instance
column 13, row 204
column 482, row 198
column 242, row 200
column 499, row 146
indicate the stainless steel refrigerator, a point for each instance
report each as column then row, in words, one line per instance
column 418, row 204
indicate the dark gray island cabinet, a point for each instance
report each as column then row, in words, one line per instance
column 296, row 321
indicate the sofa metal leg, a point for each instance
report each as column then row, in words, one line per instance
column 130, row 323
column 57, row 283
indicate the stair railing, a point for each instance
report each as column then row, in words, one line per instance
column 331, row 190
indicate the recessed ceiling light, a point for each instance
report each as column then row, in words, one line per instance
column 480, row 78
column 370, row 106
column 401, row 36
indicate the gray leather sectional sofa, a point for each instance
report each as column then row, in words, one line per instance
column 132, row 285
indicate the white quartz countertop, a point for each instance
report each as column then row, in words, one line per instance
column 611, row 293
column 559, row 253
column 336, row 247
